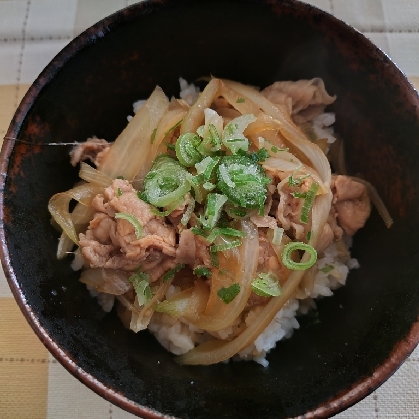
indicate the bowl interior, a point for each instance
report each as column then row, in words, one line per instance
column 89, row 89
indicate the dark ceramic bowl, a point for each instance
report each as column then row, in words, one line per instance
column 365, row 331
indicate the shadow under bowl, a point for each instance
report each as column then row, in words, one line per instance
column 365, row 330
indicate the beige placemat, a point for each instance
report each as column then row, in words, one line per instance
column 32, row 384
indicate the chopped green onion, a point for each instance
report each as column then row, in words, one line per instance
column 227, row 295
column 188, row 213
column 198, row 232
column 200, row 130
column 292, row 181
column 214, row 259
column 278, row 234
column 119, row 192
column 308, row 202
column 299, row 194
column 153, row 135
column 211, row 142
column 133, row 220
column 225, row 246
column 121, row 177
column 298, row 266
column 308, row 236
column 202, row 271
column 171, row 274
column 225, row 176
column 173, row 128
column 140, row 281
column 169, row 209
column 236, row 212
column 240, row 100
column 233, row 137
column 208, row 186
column 166, row 182
column 142, row 196
column 170, row 146
column 249, row 179
column 186, row 151
column 257, row 156
column 327, row 269
column 266, row 285
column 213, row 209
column 226, row 231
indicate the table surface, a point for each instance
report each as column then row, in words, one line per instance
column 33, row 385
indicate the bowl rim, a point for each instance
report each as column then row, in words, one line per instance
column 341, row 401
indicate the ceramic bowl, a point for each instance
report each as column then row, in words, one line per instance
column 364, row 332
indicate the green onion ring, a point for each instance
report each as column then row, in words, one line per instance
column 298, row 266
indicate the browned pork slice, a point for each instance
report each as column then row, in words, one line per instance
column 351, row 203
column 186, row 251
column 202, row 254
column 93, row 149
column 113, row 243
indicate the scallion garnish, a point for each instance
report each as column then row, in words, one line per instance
column 140, row 281
column 171, row 274
column 214, row 259
column 292, row 181
column 308, row 236
column 186, row 149
column 266, row 285
column 298, row 266
column 170, row 146
column 249, row 179
column 173, row 128
column 202, row 271
column 213, row 209
column 327, row 269
column 211, row 142
column 233, row 137
column 227, row 295
column 169, row 209
column 225, row 246
column 153, row 135
column 119, row 192
column 166, row 182
column 188, row 213
column 278, row 234
column 240, row 100
column 133, row 220
column 121, row 177
column 225, row 231
column 299, row 194
column 308, row 202
column 208, row 186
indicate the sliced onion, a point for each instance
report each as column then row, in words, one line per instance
column 238, row 267
column 130, row 151
column 58, row 206
column 94, row 176
column 195, row 115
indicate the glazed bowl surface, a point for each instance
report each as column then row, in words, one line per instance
column 358, row 338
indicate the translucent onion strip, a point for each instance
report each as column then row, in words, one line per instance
column 130, row 151
column 195, row 115
column 238, row 267
column 58, row 206
column 376, row 200
column 94, row 176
